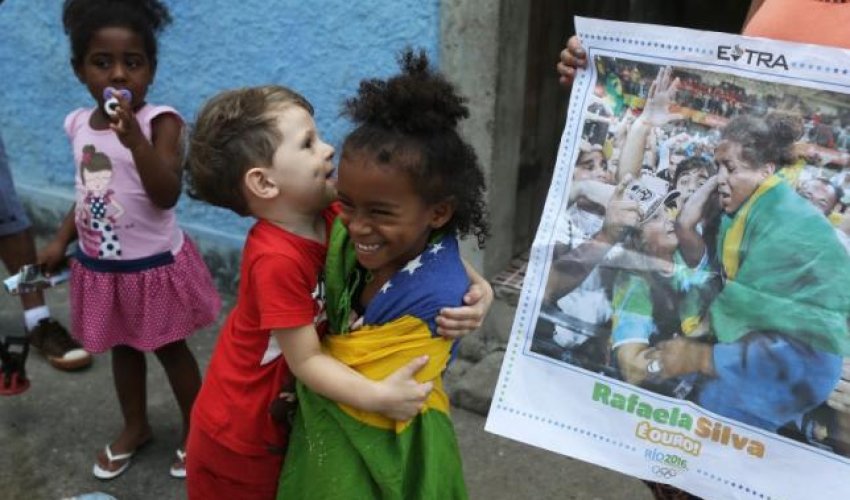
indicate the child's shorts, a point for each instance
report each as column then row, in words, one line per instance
column 215, row 472
column 13, row 219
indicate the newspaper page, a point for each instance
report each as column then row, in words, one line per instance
column 684, row 316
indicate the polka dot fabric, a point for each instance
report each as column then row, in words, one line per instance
column 144, row 310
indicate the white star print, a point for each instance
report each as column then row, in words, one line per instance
column 435, row 249
column 386, row 287
column 413, row 265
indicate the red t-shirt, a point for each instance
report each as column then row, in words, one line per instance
column 280, row 287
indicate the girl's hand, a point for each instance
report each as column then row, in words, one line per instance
column 125, row 125
column 52, row 257
column 403, row 397
column 454, row 322
column 572, row 57
column 656, row 111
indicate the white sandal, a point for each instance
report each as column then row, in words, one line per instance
column 179, row 473
column 101, row 473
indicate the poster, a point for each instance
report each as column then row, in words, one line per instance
column 684, row 317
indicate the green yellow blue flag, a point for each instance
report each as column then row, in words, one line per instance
column 337, row 451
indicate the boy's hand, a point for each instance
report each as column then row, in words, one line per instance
column 125, row 125
column 283, row 408
column 679, row 357
column 403, row 397
column 454, row 322
column 572, row 57
column 51, row 257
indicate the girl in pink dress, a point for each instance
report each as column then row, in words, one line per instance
column 138, row 284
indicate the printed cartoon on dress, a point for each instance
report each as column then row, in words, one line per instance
column 101, row 210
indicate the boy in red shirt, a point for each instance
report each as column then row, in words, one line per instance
column 256, row 151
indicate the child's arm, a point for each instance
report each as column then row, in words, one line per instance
column 159, row 161
column 691, row 244
column 454, row 322
column 656, row 112
column 399, row 396
column 597, row 192
column 52, row 256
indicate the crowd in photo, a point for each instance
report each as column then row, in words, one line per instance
column 704, row 251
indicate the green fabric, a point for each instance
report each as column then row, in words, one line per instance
column 695, row 288
column 614, row 90
column 631, row 295
column 794, row 276
column 334, row 456
column 342, row 278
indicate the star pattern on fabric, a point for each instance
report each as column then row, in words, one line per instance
column 386, row 286
column 413, row 265
column 435, row 248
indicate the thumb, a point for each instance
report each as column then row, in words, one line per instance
column 621, row 187
column 472, row 296
column 427, row 387
column 410, row 369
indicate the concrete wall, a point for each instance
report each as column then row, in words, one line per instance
column 484, row 44
column 321, row 48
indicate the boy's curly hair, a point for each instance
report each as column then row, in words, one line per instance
column 82, row 18
column 235, row 131
column 409, row 121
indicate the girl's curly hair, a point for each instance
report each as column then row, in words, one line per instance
column 409, row 121
column 82, row 18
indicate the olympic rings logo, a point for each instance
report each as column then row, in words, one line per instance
column 665, row 472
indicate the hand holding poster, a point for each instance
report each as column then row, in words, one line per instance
column 684, row 317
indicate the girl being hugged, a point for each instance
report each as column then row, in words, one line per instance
column 138, row 284
column 409, row 186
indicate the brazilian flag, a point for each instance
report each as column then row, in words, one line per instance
column 786, row 272
column 339, row 452
column 614, row 93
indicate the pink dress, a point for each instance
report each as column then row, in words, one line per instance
column 136, row 279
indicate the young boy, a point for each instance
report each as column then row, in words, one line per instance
column 256, row 151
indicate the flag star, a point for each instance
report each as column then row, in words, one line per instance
column 413, row 265
column 386, row 287
column 435, row 249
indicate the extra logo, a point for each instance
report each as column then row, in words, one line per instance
column 751, row 57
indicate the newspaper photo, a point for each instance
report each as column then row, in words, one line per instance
column 684, row 317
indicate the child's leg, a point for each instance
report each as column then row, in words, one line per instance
column 129, row 372
column 183, row 375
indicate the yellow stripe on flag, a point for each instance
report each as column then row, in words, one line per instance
column 735, row 235
column 378, row 351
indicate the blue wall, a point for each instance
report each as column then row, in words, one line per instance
column 321, row 48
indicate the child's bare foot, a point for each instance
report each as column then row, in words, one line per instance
column 114, row 459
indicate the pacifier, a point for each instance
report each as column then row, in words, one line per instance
column 110, row 99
